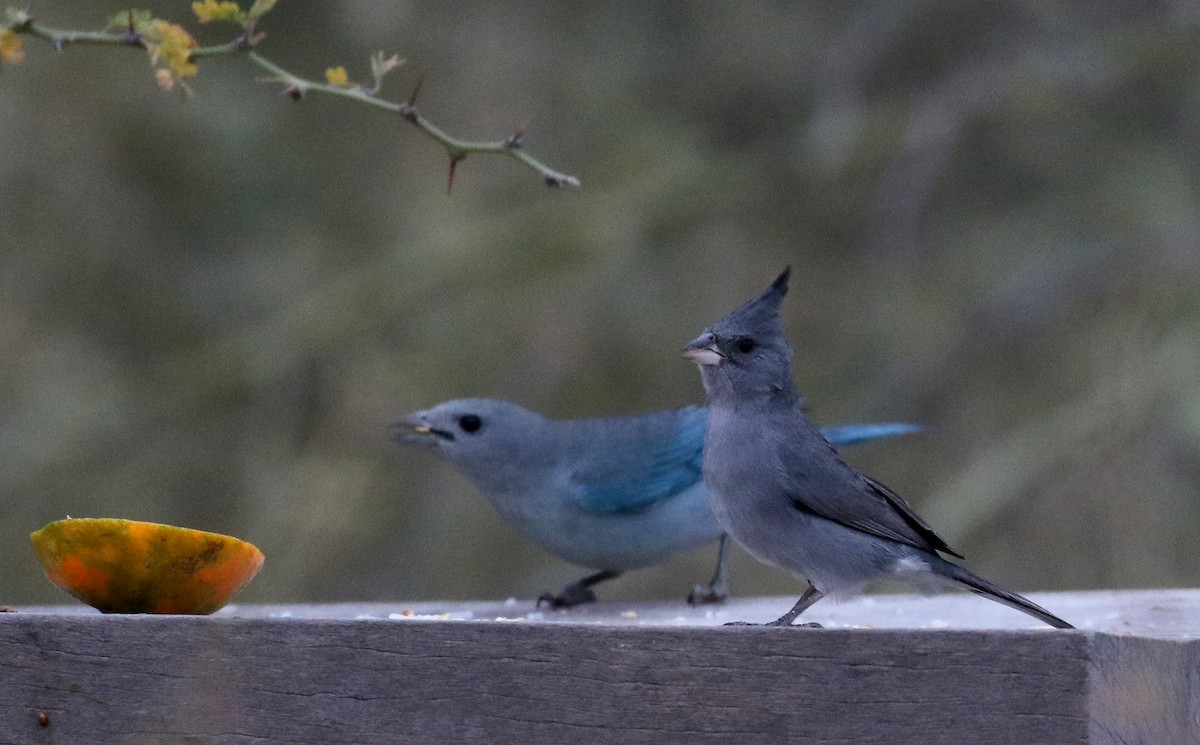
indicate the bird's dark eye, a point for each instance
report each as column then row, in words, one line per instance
column 469, row 423
column 746, row 345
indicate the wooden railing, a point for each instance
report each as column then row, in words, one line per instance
column 886, row 669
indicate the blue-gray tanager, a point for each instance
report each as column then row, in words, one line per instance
column 781, row 490
column 610, row 494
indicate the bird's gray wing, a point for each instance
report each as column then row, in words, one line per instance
column 914, row 520
column 823, row 484
column 628, row 465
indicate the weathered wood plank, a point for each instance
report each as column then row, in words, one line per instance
column 349, row 674
column 1144, row 690
column 231, row 680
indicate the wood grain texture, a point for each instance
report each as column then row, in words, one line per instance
column 349, row 674
column 1145, row 691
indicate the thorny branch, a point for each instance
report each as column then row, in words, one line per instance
column 244, row 45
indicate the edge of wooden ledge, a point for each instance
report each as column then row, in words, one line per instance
column 1172, row 614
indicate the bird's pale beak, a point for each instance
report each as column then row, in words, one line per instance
column 413, row 430
column 703, row 350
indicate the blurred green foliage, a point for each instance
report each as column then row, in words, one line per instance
column 212, row 307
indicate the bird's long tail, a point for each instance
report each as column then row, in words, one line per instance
column 981, row 586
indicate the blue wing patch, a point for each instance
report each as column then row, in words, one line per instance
column 657, row 460
column 853, row 434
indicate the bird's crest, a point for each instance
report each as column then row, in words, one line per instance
column 760, row 315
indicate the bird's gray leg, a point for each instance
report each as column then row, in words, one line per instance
column 717, row 590
column 810, row 596
column 577, row 593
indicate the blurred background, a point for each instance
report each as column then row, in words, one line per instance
column 212, row 307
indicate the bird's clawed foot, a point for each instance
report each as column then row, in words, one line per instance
column 789, row 624
column 708, row 594
column 572, row 595
column 577, row 593
column 778, row 622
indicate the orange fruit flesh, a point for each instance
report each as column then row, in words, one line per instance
column 126, row 566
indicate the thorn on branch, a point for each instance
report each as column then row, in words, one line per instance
column 295, row 91
column 131, row 35
column 517, row 139
column 408, row 109
column 558, row 180
column 412, row 99
column 454, row 161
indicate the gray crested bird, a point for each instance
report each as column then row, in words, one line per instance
column 782, row 491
